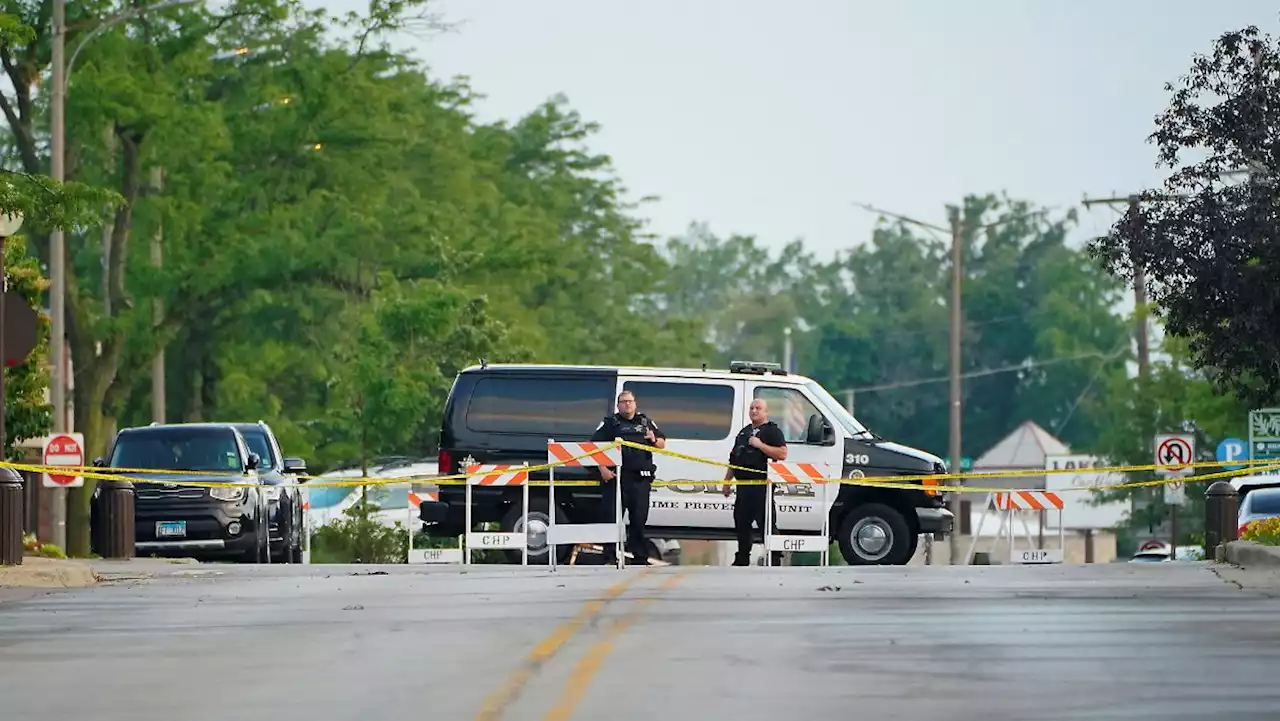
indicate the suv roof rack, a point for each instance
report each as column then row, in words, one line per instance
column 756, row 368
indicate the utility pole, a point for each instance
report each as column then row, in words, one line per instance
column 57, row 263
column 157, row 363
column 1140, row 318
column 956, row 406
column 957, row 258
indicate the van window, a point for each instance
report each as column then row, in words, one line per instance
column 687, row 411
column 790, row 410
column 545, row 407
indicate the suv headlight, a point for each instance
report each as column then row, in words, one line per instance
column 231, row 493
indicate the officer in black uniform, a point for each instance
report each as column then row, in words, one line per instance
column 759, row 442
column 637, row 475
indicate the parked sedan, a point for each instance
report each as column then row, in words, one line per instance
column 1260, row 503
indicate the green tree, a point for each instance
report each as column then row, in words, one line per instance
column 1174, row 398
column 1209, row 247
column 26, row 414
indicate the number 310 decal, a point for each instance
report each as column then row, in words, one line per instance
column 857, row 459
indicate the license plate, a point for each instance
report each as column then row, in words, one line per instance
column 171, row 529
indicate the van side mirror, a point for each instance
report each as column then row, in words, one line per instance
column 818, row 431
column 295, row 465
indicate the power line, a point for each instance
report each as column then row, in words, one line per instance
column 981, row 373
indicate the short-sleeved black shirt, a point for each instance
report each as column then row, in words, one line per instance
column 744, row 455
column 634, row 460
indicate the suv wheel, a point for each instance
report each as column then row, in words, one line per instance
column 538, row 519
column 875, row 534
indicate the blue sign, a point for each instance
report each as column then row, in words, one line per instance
column 1232, row 449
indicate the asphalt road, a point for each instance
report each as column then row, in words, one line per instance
column 327, row 643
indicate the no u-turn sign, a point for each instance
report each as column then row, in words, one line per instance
column 1175, row 451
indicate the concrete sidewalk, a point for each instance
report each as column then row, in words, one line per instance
column 39, row 572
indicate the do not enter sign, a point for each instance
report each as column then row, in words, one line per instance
column 63, row 449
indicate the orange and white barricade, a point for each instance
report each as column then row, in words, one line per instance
column 584, row 454
column 497, row 475
column 1018, row 504
column 793, row 473
column 428, row 555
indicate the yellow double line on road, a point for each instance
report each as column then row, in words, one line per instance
column 590, row 664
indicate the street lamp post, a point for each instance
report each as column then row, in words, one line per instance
column 61, row 72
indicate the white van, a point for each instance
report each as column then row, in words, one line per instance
column 505, row 413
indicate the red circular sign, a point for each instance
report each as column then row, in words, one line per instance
column 1174, row 453
column 63, row 450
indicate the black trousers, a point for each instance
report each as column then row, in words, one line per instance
column 635, row 504
column 748, row 510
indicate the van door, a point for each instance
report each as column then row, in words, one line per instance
column 790, row 407
column 699, row 417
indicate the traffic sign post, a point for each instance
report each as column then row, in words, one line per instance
column 1175, row 451
column 63, row 449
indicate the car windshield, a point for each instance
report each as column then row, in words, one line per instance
column 179, row 449
column 837, row 410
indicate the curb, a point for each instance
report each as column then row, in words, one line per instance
column 1250, row 553
column 36, row 572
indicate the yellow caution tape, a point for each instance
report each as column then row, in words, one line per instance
column 899, row 482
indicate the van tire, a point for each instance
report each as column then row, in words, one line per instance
column 874, row 521
column 538, row 511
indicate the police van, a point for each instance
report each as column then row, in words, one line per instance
column 506, row 413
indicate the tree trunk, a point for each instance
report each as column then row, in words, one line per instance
column 95, row 402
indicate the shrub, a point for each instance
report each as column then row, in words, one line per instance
column 360, row 538
column 32, row 546
column 1265, row 531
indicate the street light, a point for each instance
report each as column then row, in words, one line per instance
column 61, row 71
column 10, row 223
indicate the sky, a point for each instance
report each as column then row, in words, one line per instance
column 773, row 119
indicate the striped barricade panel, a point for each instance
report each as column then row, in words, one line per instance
column 496, row 475
column 799, row 472
column 1028, row 501
column 586, row 453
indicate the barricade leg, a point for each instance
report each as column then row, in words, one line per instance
column 466, row 554
column 621, row 553
column 766, row 534
column 551, row 514
column 306, row 526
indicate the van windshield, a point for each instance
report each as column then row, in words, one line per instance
column 838, row 411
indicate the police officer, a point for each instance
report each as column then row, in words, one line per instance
column 759, row 442
column 637, row 475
